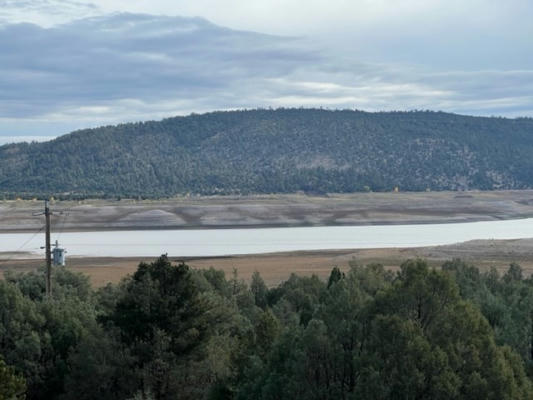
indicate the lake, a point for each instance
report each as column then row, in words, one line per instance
column 219, row 242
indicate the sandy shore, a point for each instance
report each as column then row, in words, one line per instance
column 270, row 211
column 278, row 267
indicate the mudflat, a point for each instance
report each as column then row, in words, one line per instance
column 269, row 211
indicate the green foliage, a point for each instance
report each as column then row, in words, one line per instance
column 259, row 290
column 335, row 276
column 169, row 332
column 12, row 386
column 506, row 302
column 267, row 330
column 100, row 367
column 180, row 337
column 21, row 344
column 283, row 151
column 160, row 297
column 373, row 336
column 65, row 284
column 37, row 336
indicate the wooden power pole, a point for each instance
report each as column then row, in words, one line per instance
column 60, row 253
column 48, row 251
column 47, row 246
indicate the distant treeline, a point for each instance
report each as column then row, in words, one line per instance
column 169, row 332
column 275, row 151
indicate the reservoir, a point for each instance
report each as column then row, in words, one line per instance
column 220, row 242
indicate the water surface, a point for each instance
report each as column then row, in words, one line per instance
column 219, row 242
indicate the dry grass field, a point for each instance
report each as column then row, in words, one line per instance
column 277, row 267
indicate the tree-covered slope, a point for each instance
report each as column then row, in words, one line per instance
column 284, row 150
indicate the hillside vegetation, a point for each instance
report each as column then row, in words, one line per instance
column 276, row 151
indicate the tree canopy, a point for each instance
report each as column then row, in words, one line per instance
column 276, row 151
column 171, row 332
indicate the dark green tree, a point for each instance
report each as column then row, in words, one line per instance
column 335, row 276
column 12, row 385
column 171, row 327
column 259, row 290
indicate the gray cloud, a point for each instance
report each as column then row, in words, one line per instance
column 124, row 67
column 128, row 58
column 45, row 12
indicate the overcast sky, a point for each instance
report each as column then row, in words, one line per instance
column 70, row 64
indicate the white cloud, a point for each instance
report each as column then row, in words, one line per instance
column 303, row 16
column 45, row 12
column 468, row 57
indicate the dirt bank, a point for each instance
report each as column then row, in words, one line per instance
column 278, row 266
column 270, row 211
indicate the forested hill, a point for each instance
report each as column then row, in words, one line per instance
column 284, row 150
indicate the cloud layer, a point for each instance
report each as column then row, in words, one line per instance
column 45, row 12
column 111, row 68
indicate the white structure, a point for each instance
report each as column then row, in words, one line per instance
column 58, row 255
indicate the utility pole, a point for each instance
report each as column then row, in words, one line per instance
column 48, row 251
column 48, row 274
column 59, row 253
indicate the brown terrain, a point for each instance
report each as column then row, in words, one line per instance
column 290, row 210
column 271, row 211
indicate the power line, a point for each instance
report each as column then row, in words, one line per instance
column 47, row 214
column 63, row 222
column 23, row 245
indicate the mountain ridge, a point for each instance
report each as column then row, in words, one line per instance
column 276, row 151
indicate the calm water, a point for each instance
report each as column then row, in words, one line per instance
column 216, row 242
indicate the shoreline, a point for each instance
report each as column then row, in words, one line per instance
column 439, row 221
column 280, row 211
column 277, row 267
column 275, row 211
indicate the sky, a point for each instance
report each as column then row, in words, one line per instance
column 71, row 64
